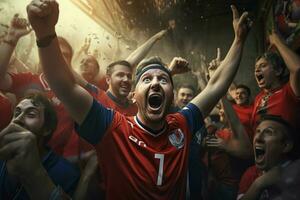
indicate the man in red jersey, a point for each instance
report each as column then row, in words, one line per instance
column 145, row 156
column 243, row 107
column 274, row 149
column 277, row 97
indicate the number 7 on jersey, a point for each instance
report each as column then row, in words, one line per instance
column 161, row 158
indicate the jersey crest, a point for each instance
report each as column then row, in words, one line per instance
column 177, row 138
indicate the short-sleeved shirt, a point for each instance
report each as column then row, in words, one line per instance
column 22, row 82
column 61, row 172
column 281, row 101
column 136, row 163
column 244, row 114
column 5, row 112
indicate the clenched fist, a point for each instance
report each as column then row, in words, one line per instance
column 43, row 16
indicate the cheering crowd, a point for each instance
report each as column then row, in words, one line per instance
column 132, row 134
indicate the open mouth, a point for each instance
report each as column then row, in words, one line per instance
column 155, row 101
column 259, row 77
column 259, row 153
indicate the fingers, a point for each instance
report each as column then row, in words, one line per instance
column 244, row 18
column 8, row 138
column 8, row 151
column 218, row 54
column 39, row 8
column 235, row 13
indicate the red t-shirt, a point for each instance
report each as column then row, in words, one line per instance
column 251, row 174
column 281, row 101
column 225, row 168
column 244, row 113
column 6, row 112
column 22, row 83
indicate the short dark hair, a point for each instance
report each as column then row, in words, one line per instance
column 50, row 117
column 186, row 85
column 110, row 67
column 63, row 41
column 291, row 135
column 244, row 87
column 275, row 60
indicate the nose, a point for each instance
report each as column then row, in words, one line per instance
column 258, row 137
column 155, row 84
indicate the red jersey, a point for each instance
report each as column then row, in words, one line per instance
column 24, row 82
column 109, row 101
column 137, row 163
column 282, row 102
column 248, row 178
column 6, row 112
column 244, row 113
column 102, row 84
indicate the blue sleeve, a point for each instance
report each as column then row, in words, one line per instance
column 193, row 116
column 95, row 124
column 91, row 88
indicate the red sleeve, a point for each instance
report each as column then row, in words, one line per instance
column 5, row 112
column 247, row 179
column 290, row 91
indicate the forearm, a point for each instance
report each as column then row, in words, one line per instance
column 38, row 184
column 253, row 192
column 82, row 187
column 226, row 72
column 57, row 71
column 291, row 59
column 140, row 53
column 239, row 149
column 6, row 51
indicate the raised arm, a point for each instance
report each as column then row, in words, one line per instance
column 140, row 53
column 43, row 16
column 291, row 59
column 239, row 144
column 224, row 75
column 18, row 28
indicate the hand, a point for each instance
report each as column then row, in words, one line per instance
column 18, row 147
column 217, row 142
column 86, row 45
column 179, row 65
column 215, row 63
column 241, row 25
column 43, row 16
column 274, row 38
column 18, row 28
column 161, row 34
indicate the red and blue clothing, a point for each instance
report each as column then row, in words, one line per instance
column 136, row 162
column 61, row 172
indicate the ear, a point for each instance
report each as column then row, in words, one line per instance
column 279, row 71
column 108, row 79
column 288, row 146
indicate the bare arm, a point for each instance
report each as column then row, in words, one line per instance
column 291, row 59
column 239, row 144
column 140, row 53
column 223, row 76
column 17, row 29
column 43, row 17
